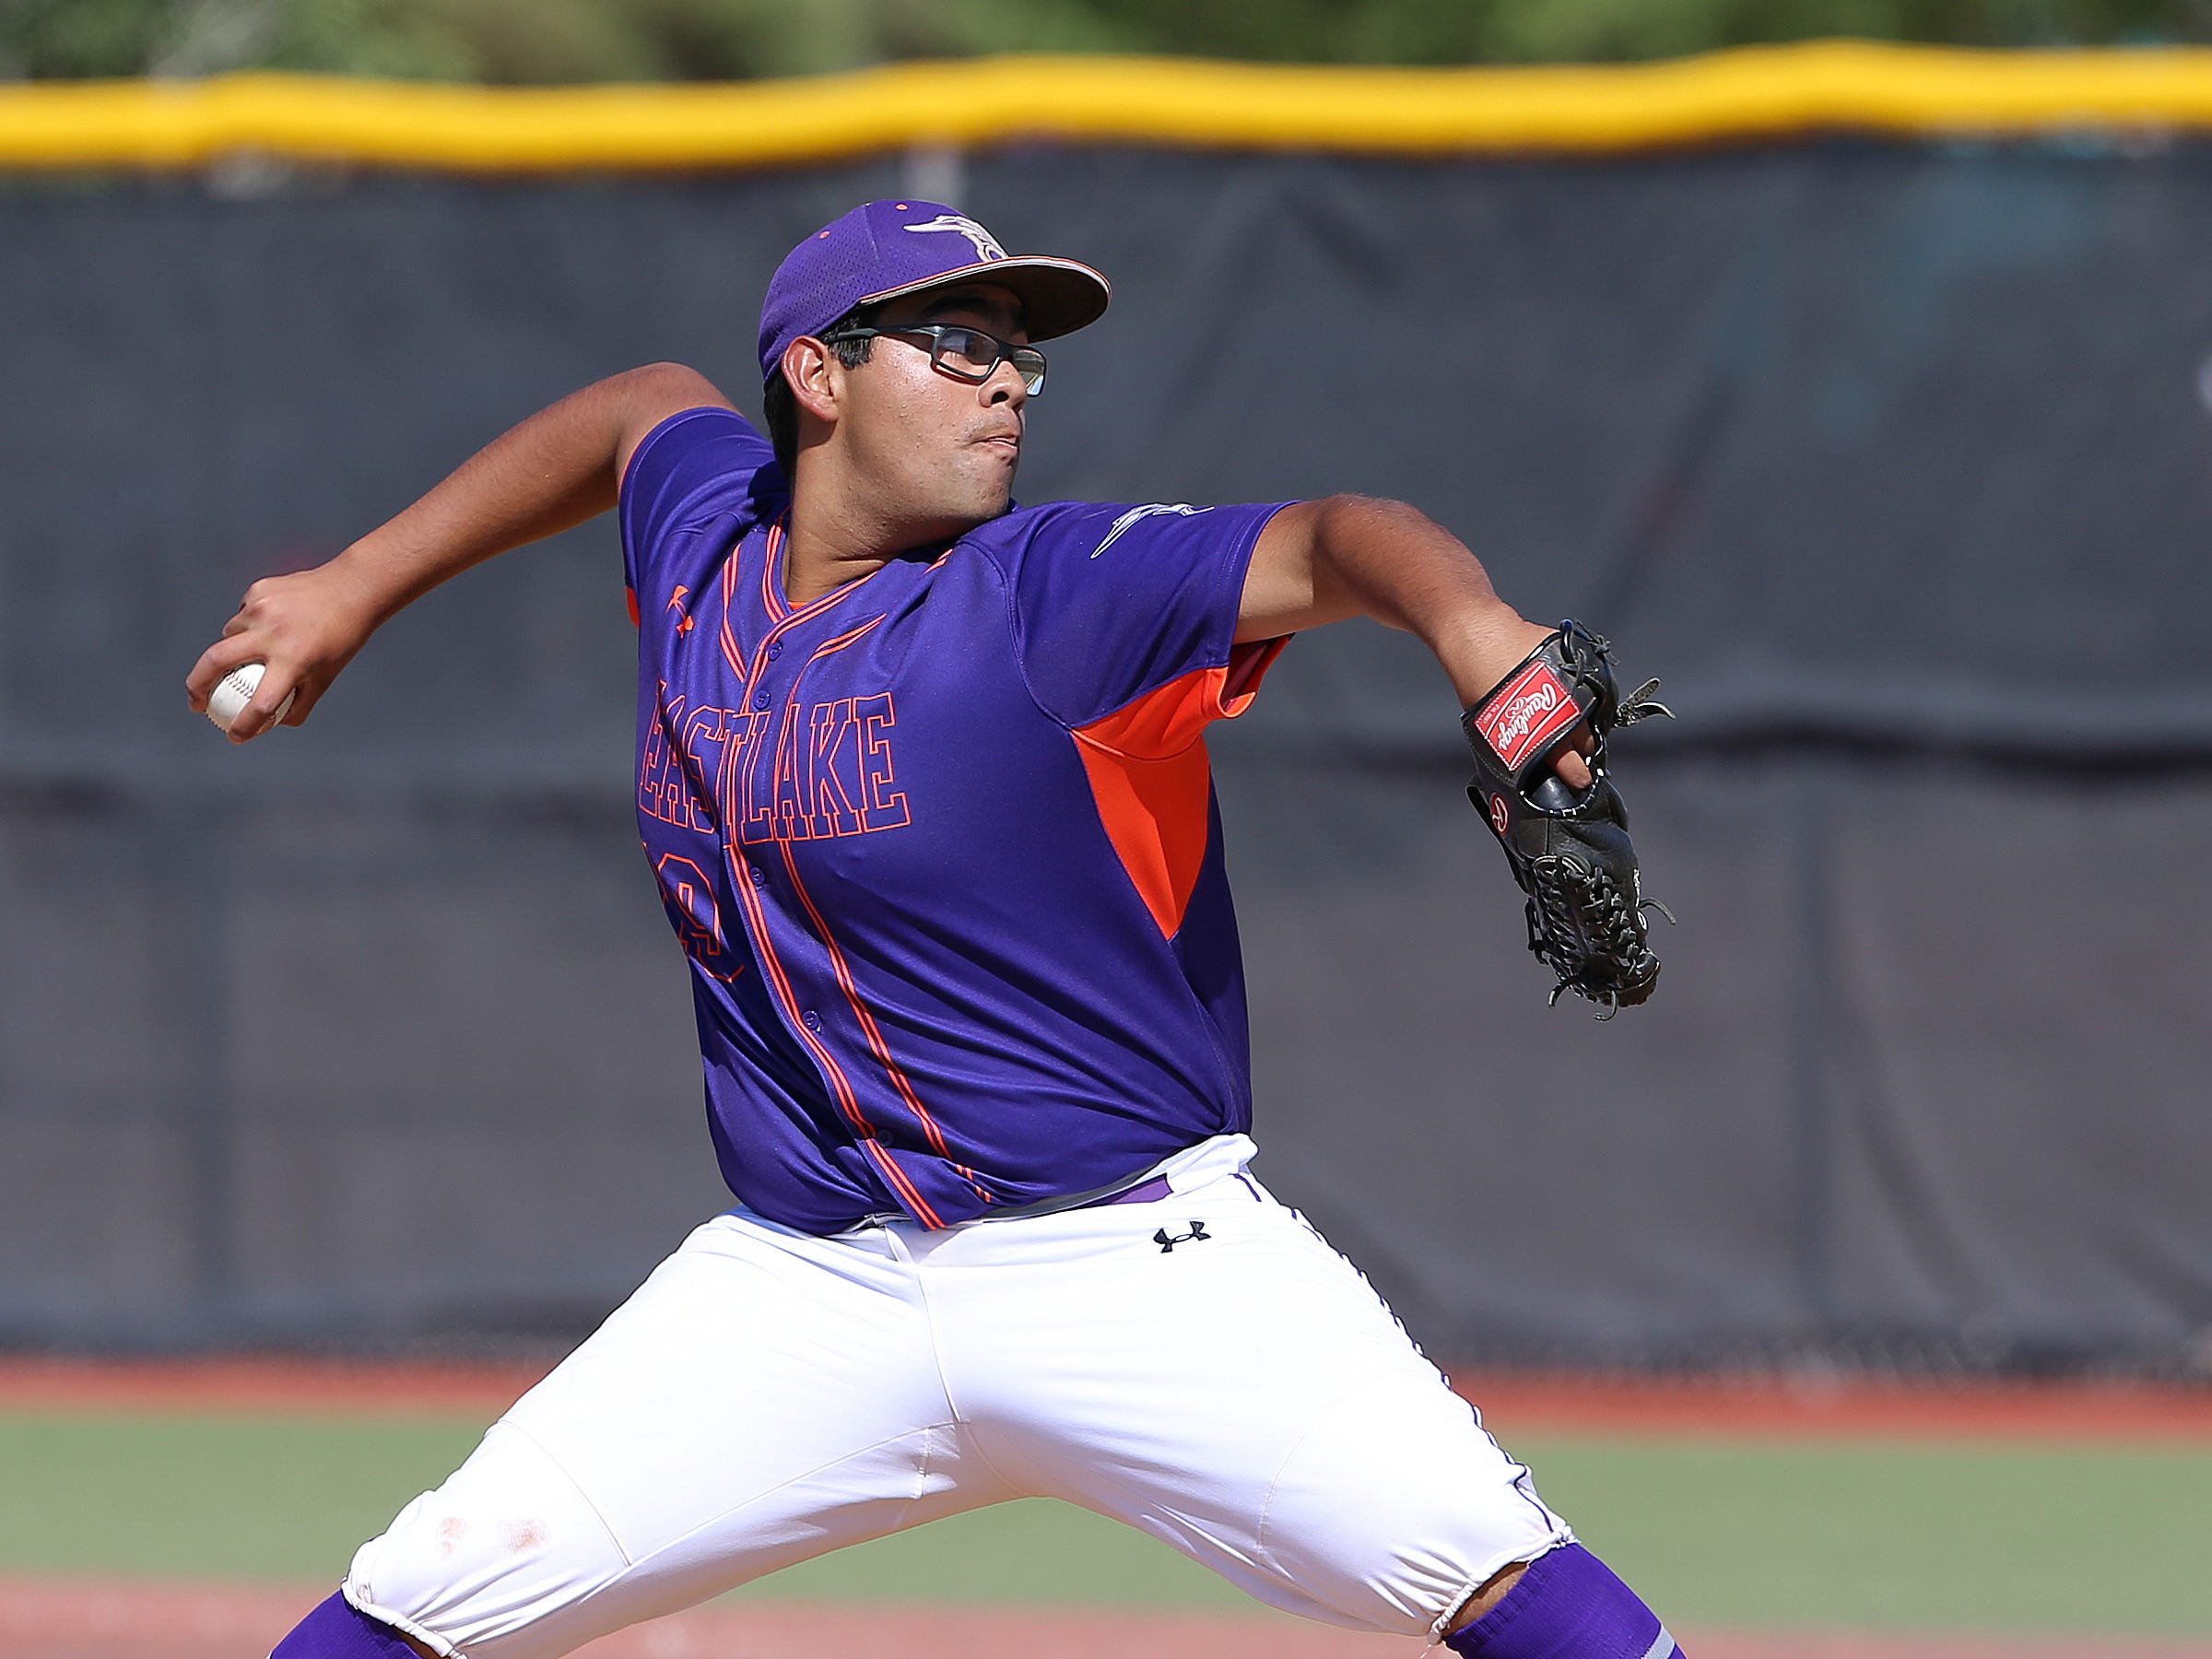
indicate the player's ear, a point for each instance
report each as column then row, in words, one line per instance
column 809, row 370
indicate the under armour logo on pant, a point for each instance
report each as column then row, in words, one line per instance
column 1167, row 1243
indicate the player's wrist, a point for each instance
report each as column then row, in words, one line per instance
column 1482, row 651
column 373, row 579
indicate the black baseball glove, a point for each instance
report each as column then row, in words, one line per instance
column 1569, row 852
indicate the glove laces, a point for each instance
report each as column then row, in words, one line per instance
column 1577, row 902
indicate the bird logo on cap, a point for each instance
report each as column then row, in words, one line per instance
column 986, row 245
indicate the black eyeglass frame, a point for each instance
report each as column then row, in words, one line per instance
column 1001, row 351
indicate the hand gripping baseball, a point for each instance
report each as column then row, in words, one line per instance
column 1570, row 852
column 305, row 628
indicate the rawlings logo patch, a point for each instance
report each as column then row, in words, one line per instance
column 1526, row 713
column 1499, row 815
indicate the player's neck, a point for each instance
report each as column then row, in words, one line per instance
column 836, row 537
column 818, row 561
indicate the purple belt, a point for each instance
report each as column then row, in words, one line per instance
column 1144, row 1192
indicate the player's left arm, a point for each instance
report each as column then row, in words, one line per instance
column 1352, row 556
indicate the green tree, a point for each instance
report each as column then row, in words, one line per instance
column 559, row 41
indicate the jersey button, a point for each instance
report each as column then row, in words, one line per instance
column 775, row 650
column 813, row 1021
column 754, row 871
column 759, row 700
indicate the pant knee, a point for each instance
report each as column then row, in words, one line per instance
column 1567, row 1605
column 506, row 1544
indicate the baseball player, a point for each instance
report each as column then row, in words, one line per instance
column 922, row 778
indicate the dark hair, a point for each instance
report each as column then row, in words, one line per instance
column 780, row 410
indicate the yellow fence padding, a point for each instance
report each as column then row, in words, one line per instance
column 1752, row 94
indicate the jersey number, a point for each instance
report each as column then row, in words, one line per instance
column 698, row 918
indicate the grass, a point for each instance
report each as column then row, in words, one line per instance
column 1898, row 1536
column 1839, row 1535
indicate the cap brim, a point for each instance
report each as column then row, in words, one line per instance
column 1058, row 296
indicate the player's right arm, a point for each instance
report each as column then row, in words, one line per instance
column 559, row 467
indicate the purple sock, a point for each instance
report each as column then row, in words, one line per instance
column 1567, row 1605
column 335, row 1630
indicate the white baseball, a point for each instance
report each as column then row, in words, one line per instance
column 230, row 697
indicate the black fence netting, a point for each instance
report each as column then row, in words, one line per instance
column 1896, row 461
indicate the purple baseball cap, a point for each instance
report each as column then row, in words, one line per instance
column 884, row 250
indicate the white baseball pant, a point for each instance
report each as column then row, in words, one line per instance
column 767, row 1396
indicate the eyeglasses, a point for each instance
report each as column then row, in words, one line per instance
column 965, row 354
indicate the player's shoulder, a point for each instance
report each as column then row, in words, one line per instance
column 1079, row 530
column 714, row 434
column 706, row 461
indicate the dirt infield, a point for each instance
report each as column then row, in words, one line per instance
column 87, row 1619
column 1516, row 1402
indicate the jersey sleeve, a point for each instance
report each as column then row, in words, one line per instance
column 1125, row 619
column 699, row 466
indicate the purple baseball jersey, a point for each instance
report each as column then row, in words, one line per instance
column 941, row 846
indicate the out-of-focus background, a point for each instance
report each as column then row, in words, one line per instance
column 1864, row 391
column 538, row 41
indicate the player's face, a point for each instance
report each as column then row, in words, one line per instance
column 943, row 449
